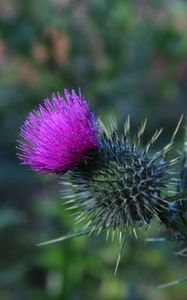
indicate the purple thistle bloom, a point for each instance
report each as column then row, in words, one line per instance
column 59, row 135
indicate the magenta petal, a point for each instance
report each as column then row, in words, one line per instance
column 58, row 135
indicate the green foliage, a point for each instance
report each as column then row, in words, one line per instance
column 129, row 57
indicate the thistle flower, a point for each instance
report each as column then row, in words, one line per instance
column 113, row 183
column 58, row 135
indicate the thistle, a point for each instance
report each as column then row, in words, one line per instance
column 121, row 185
column 113, row 183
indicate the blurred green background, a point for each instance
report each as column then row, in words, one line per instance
column 128, row 57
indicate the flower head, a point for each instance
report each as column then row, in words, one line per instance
column 115, row 183
column 59, row 135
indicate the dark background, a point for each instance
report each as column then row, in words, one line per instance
column 128, row 57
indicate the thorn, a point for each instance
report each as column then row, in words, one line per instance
column 152, row 240
column 65, row 237
column 107, row 234
column 166, row 285
column 127, row 126
column 135, row 233
column 176, row 130
column 119, row 256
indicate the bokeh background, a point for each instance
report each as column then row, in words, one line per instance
column 128, row 57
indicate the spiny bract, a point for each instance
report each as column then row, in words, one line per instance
column 121, row 185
